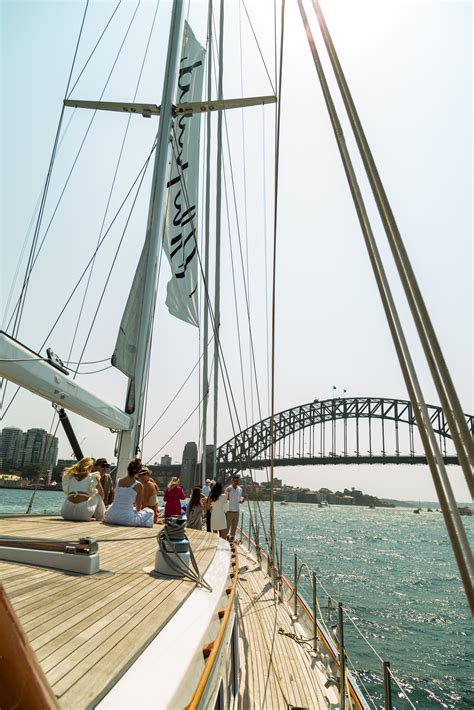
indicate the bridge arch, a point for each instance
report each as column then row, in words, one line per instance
column 244, row 449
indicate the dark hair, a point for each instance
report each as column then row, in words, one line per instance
column 195, row 498
column 134, row 467
column 216, row 491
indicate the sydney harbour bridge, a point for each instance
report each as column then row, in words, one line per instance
column 351, row 430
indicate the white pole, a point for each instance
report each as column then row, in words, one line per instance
column 217, row 296
column 128, row 441
column 205, row 367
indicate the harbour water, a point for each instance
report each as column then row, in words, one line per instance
column 396, row 576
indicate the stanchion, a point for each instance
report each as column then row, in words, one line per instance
column 295, row 587
column 330, row 611
column 315, row 615
column 342, row 659
column 387, row 686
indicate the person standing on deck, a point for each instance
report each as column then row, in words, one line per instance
column 174, row 494
column 219, row 505
column 102, row 468
column 235, row 498
column 206, row 489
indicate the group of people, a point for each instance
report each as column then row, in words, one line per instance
column 219, row 507
column 90, row 493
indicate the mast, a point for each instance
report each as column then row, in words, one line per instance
column 217, row 285
column 205, row 366
column 128, row 440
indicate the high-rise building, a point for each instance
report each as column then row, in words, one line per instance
column 10, row 439
column 189, row 472
column 38, row 447
column 165, row 460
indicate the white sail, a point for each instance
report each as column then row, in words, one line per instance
column 179, row 239
column 125, row 353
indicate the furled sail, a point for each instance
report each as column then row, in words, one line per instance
column 125, row 353
column 180, row 238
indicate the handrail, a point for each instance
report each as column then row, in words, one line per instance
column 216, row 644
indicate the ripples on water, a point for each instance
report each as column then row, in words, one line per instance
column 396, row 576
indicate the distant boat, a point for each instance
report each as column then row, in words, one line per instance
column 371, row 506
column 283, row 502
column 417, row 510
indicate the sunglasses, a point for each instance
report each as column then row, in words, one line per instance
column 104, row 466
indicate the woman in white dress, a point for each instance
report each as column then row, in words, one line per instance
column 219, row 507
column 125, row 510
column 83, row 491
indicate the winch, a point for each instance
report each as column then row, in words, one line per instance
column 173, row 556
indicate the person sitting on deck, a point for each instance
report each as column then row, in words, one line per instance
column 126, row 508
column 173, row 495
column 102, row 467
column 150, row 491
column 195, row 510
column 219, row 507
column 84, row 493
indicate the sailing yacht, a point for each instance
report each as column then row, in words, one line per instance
column 123, row 634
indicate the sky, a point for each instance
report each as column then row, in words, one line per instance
column 409, row 67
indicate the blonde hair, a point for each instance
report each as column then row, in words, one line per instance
column 80, row 468
column 173, row 483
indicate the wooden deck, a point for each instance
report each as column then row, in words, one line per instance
column 87, row 630
column 279, row 673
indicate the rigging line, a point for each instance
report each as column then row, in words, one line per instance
column 273, row 320
column 244, row 175
column 457, row 535
column 31, row 258
column 132, row 207
column 119, row 159
column 222, row 360
column 241, row 255
column 89, row 362
column 93, row 372
column 377, row 654
column 33, row 216
column 242, row 263
column 265, row 242
column 93, row 50
column 357, row 674
column 432, row 349
column 45, row 456
column 177, row 430
column 218, row 241
column 176, row 395
column 258, row 46
column 139, row 176
column 78, row 152
column 239, row 339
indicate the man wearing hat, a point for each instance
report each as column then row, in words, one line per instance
column 102, row 467
column 235, row 498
